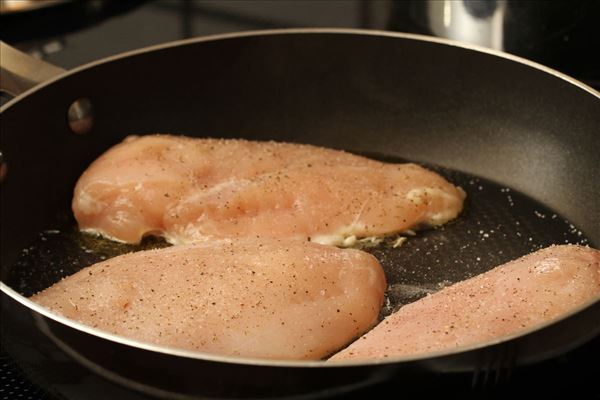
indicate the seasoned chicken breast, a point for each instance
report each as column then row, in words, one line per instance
column 190, row 190
column 259, row 298
column 510, row 298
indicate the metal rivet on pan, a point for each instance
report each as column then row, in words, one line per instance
column 3, row 167
column 81, row 116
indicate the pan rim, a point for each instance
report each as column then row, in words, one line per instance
column 281, row 363
column 198, row 355
column 291, row 31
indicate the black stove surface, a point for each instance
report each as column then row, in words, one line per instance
column 82, row 31
column 14, row 384
column 572, row 376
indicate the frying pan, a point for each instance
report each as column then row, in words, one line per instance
column 521, row 139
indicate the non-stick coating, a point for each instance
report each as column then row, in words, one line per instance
column 465, row 110
column 462, row 109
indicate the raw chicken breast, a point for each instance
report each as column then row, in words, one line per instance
column 325, row 205
column 250, row 298
column 510, row 298
column 190, row 190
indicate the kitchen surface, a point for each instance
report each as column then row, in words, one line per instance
column 563, row 35
column 560, row 34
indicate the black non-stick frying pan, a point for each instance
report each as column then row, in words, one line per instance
column 522, row 140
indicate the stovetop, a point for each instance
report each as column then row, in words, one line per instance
column 571, row 376
column 83, row 31
column 14, row 384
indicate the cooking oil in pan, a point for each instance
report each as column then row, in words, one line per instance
column 498, row 224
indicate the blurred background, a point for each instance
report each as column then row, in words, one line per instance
column 562, row 34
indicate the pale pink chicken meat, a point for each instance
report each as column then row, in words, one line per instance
column 324, row 205
column 258, row 298
column 506, row 300
column 190, row 190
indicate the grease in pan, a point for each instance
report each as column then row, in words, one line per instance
column 483, row 233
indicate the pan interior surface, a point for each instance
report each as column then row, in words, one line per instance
column 498, row 224
column 469, row 111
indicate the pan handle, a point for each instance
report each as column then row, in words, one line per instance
column 20, row 72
